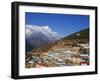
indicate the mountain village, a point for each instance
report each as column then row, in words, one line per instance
column 63, row 53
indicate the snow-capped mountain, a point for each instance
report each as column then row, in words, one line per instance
column 37, row 35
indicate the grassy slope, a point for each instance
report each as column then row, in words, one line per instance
column 83, row 34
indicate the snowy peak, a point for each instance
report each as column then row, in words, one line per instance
column 38, row 35
column 46, row 30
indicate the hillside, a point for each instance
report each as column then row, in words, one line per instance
column 83, row 34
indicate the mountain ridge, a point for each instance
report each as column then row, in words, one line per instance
column 82, row 34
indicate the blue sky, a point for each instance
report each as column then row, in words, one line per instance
column 63, row 24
